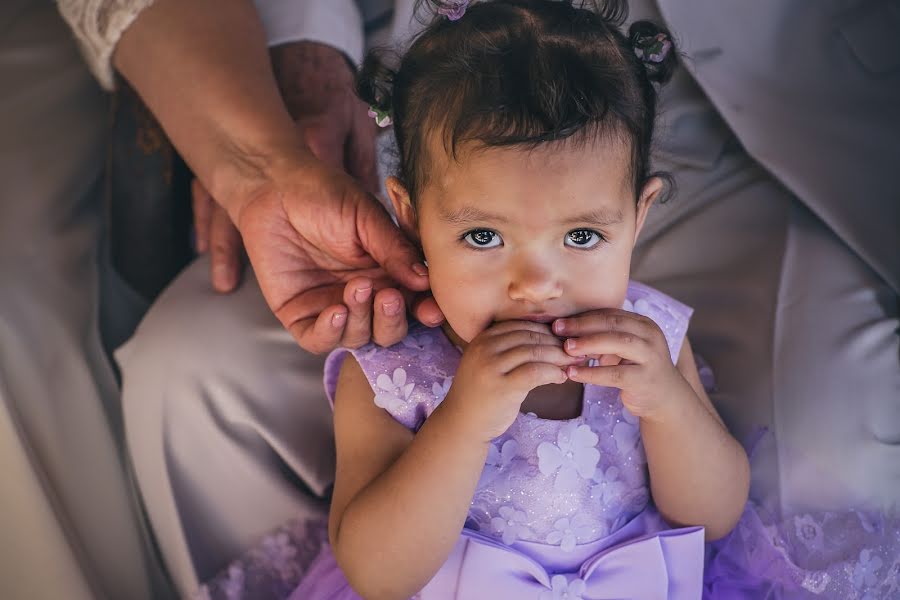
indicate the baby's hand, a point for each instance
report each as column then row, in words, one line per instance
column 498, row 369
column 633, row 356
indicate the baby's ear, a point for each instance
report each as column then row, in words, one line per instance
column 403, row 208
column 649, row 194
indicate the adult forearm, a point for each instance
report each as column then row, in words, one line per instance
column 699, row 473
column 396, row 533
column 203, row 68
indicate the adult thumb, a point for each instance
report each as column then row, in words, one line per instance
column 390, row 248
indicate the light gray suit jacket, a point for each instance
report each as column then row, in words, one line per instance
column 812, row 90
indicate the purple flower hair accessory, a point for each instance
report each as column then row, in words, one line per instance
column 653, row 49
column 453, row 9
column 382, row 117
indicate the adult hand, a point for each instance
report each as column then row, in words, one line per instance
column 315, row 236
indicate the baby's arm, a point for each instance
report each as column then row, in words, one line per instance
column 699, row 474
column 400, row 501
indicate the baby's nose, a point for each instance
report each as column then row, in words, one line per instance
column 534, row 281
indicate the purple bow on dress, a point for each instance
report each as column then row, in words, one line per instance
column 666, row 565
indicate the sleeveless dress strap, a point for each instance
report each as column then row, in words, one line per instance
column 671, row 315
column 410, row 378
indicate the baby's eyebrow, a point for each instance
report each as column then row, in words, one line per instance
column 470, row 214
column 599, row 217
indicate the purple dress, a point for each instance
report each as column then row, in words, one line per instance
column 563, row 510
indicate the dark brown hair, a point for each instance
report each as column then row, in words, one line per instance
column 519, row 73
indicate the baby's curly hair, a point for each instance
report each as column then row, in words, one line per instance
column 520, row 73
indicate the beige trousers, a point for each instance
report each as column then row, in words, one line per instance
column 69, row 524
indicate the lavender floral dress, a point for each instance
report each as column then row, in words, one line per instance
column 563, row 510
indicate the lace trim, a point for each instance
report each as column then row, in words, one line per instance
column 98, row 25
column 273, row 568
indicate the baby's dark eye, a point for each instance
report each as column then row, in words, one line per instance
column 583, row 238
column 483, row 238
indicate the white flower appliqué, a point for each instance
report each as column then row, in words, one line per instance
column 574, row 454
column 568, row 532
column 510, row 524
column 440, row 390
column 497, row 461
column 865, row 573
column 393, row 392
column 609, row 489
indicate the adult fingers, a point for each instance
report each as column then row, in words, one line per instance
column 324, row 139
column 619, row 376
column 389, row 324
column 316, row 318
column 605, row 319
column 358, row 295
column 202, row 204
column 427, row 311
column 386, row 244
column 515, row 357
column 535, row 374
column 624, row 344
column 323, row 333
column 360, row 155
column 226, row 248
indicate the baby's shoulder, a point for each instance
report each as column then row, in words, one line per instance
column 409, row 379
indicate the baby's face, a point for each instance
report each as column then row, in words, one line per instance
column 513, row 234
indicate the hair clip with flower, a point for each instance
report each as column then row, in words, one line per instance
column 453, row 9
column 382, row 117
column 652, row 48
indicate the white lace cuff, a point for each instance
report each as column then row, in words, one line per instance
column 98, row 25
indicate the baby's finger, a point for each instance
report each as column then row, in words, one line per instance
column 536, row 353
column 503, row 327
column 623, row 344
column 619, row 376
column 535, row 374
column 609, row 360
column 604, row 319
column 503, row 342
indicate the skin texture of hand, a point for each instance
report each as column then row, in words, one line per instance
column 633, row 356
column 503, row 363
column 316, row 84
column 333, row 294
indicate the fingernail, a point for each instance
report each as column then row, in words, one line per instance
column 571, row 345
column 338, row 319
column 223, row 276
column 391, row 308
column 419, row 269
column 572, row 372
column 362, row 294
column 559, row 326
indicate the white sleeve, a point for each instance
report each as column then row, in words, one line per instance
column 98, row 25
column 337, row 23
